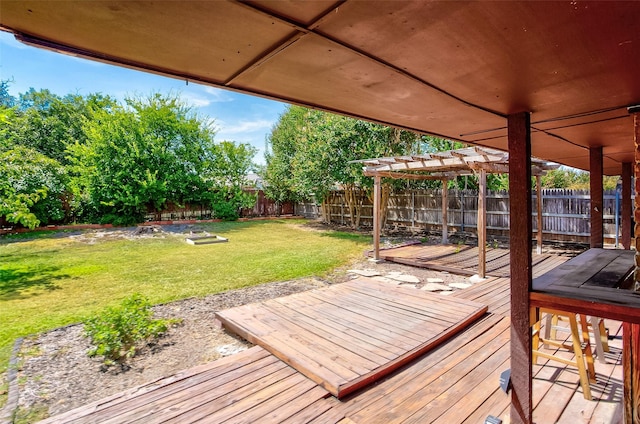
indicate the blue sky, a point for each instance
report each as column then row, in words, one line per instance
column 237, row 117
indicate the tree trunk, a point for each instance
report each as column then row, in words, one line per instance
column 354, row 203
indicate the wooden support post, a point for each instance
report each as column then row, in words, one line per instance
column 482, row 224
column 597, row 202
column 631, row 332
column 626, row 206
column 376, row 217
column 519, row 136
column 539, row 209
column 445, row 210
column 631, row 370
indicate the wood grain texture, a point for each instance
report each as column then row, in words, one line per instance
column 395, row 324
column 519, row 140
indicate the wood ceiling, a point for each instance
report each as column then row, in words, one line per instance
column 450, row 68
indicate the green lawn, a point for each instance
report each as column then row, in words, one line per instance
column 47, row 282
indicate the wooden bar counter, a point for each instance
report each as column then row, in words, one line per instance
column 588, row 284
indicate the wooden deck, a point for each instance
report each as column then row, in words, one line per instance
column 348, row 335
column 458, row 259
column 456, row 382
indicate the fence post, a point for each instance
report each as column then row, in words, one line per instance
column 413, row 209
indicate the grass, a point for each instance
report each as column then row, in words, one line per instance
column 50, row 281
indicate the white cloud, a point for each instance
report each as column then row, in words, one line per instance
column 245, row 126
column 217, row 95
column 194, row 99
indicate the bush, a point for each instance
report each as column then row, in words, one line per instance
column 117, row 332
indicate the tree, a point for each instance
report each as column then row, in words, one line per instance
column 140, row 157
column 31, row 187
column 312, row 153
column 226, row 176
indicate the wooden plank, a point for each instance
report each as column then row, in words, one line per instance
column 579, row 269
column 410, row 400
column 153, row 391
column 346, row 362
column 279, row 406
column 187, row 400
column 613, row 274
column 612, row 305
column 363, row 348
column 310, row 412
column 479, row 342
column 473, row 388
column 329, row 323
column 236, row 402
column 519, row 141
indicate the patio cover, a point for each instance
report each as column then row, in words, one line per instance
column 453, row 69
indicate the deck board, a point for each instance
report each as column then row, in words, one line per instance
column 412, row 320
column 460, row 259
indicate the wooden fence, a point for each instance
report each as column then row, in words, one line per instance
column 262, row 207
column 565, row 213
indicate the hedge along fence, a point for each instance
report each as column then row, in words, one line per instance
column 565, row 213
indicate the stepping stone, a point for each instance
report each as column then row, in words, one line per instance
column 230, row 349
column 365, row 272
column 460, row 285
column 435, row 287
column 435, row 280
column 393, row 273
column 477, row 279
column 405, row 278
column 446, row 293
column 387, row 280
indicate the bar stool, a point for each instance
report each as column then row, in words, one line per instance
column 595, row 324
column 582, row 355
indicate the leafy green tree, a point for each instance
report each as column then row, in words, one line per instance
column 140, row 157
column 226, row 175
column 31, row 187
column 49, row 123
column 312, row 153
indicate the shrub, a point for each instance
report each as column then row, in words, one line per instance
column 117, row 332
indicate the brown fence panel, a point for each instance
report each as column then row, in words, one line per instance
column 565, row 215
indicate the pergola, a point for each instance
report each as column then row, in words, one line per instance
column 556, row 79
column 444, row 166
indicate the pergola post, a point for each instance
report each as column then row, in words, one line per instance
column 482, row 224
column 376, row 217
column 626, row 206
column 445, row 209
column 519, row 138
column 539, row 215
column 595, row 183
